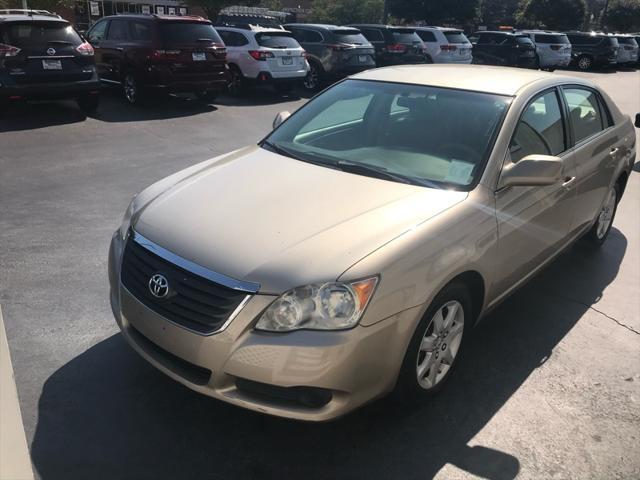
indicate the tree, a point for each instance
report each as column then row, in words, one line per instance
column 554, row 14
column 343, row 12
column 435, row 12
column 623, row 15
column 498, row 12
column 212, row 7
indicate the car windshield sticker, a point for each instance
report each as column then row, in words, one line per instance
column 459, row 172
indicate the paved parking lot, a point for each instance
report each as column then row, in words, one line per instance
column 549, row 386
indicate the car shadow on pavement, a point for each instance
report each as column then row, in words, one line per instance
column 19, row 116
column 108, row 414
column 257, row 96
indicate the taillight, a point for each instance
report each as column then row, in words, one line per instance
column 261, row 55
column 339, row 47
column 8, row 50
column 85, row 49
column 556, row 47
column 165, row 54
column 448, row 48
column 397, row 48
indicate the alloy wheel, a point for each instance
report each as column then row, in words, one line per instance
column 584, row 63
column 606, row 214
column 312, row 79
column 130, row 88
column 235, row 82
column 440, row 344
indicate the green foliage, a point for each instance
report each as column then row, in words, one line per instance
column 553, row 14
column 343, row 12
column 435, row 12
column 498, row 12
column 212, row 7
column 623, row 15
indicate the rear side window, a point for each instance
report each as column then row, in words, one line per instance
column 426, row 36
column 611, row 42
column 523, row 40
column 310, row 36
column 456, row 37
column 492, row 39
column 98, row 32
column 405, row 36
column 39, row 34
column 185, row 32
column 373, row 35
column 140, row 31
column 351, row 37
column 584, row 113
column 277, row 40
column 233, row 39
column 627, row 41
column 118, row 30
column 540, row 129
column 551, row 38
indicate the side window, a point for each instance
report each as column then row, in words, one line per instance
column 373, row 35
column 226, row 37
column 540, row 129
column 140, row 31
column 97, row 33
column 118, row 30
column 296, row 34
column 240, row 39
column 312, row 37
column 607, row 119
column 584, row 112
column 426, row 36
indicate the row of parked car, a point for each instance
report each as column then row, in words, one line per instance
column 43, row 56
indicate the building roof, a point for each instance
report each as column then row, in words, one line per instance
column 481, row 78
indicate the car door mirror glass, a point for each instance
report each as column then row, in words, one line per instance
column 280, row 117
column 637, row 123
column 532, row 170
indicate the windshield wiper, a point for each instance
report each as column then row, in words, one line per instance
column 281, row 150
column 376, row 172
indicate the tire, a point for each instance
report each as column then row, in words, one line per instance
column 134, row 94
column 313, row 80
column 236, row 85
column 88, row 103
column 428, row 59
column 427, row 345
column 584, row 63
column 208, row 96
column 600, row 230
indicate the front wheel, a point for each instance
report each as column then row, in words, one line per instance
column 600, row 230
column 584, row 63
column 435, row 345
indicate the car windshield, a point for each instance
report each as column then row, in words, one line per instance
column 277, row 40
column 39, row 34
column 435, row 137
column 186, row 32
column 351, row 37
column 456, row 37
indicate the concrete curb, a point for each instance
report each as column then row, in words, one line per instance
column 15, row 463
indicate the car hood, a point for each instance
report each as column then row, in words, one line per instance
column 261, row 217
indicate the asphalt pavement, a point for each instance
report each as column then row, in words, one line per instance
column 549, row 386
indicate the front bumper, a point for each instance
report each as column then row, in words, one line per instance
column 349, row 367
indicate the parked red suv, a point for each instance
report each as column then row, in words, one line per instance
column 158, row 53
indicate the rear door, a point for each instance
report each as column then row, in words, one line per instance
column 96, row 35
column 194, row 47
column 48, row 52
column 113, row 48
column 288, row 55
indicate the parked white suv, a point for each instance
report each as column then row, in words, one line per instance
column 263, row 56
column 553, row 49
column 445, row 45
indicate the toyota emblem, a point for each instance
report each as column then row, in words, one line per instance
column 159, row 286
column 51, row 51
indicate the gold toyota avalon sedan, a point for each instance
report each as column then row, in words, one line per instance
column 350, row 252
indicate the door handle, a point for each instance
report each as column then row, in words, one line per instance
column 120, row 49
column 568, row 182
column 614, row 151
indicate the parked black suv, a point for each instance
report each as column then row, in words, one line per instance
column 504, row 48
column 42, row 57
column 333, row 52
column 394, row 45
column 592, row 50
column 157, row 53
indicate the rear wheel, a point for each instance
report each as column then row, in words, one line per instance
column 600, row 230
column 133, row 92
column 236, row 85
column 584, row 62
column 88, row 103
column 435, row 345
column 312, row 80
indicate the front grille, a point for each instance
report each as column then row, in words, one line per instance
column 193, row 302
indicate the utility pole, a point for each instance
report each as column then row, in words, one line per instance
column 604, row 14
column 385, row 12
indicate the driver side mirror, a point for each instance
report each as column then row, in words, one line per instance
column 637, row 122
column 280, row 117
column 532, row 170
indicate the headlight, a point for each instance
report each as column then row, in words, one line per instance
column 126, row 220
column 320, row 306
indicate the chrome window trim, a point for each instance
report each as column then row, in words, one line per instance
column 229, row 282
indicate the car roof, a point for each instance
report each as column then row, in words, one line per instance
column 500, row 32
column 30, row 18
column 377, row 25
column 162, row 18
column 252, row 30
column 480, row 78
column 324, row 26
column 441, row 29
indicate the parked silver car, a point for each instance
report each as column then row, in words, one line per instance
column 628, row 52
column 351, row 251
column 553, row 49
